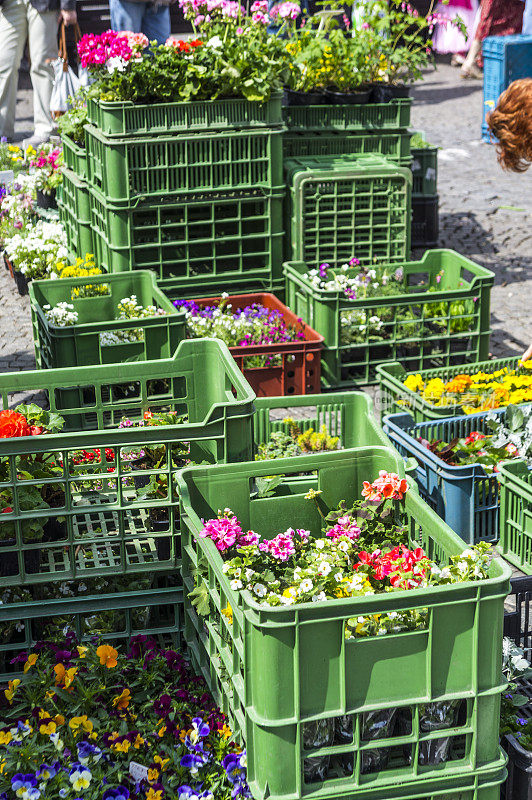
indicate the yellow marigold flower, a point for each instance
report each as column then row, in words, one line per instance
column 153, row 774
column 32, row 659
column 459, row 384
column 11, row 690
column 414, row 383
column 107, row 655
column 121, row 701
column 5, row 737
column 47, row 728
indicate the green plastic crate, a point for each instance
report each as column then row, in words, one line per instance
column 157, row 613
column 273, row 670
column 75, row 157
column 124, row 118
column 395, row 397
column 230, row 234
column 349, row 206
column 74, row 212
column 127, row 169
column 418, row 342
column 394, row 145
column 97, row 522
column 515, row 518
column 191, row 288
column 348, row 415
column 425, row 170
column 372, row 116
column 79, row 345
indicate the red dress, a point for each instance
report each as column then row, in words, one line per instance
column 500, row 18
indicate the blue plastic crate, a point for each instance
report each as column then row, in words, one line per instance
column 465, row 497
column 506, row 59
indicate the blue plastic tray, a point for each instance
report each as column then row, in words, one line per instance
column 465, row 497
column 506, row 59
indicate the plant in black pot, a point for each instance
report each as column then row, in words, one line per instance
column 153, row 455
column 159, row 516
column 347, row 69
column 48, row 166
column 307, row 76
column 400, row 47
column 29, row 528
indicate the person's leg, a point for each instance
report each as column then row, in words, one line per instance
column 156, row 22
column 13, row 29
column 469, row 69
column 126, row 15
column 42, row 39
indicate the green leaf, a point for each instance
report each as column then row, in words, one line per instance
column 199, row 597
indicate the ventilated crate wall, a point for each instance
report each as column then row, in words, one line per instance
column 349, row 678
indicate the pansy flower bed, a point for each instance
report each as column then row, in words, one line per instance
column 93, row 722
column 297, row 566
column 277, row 352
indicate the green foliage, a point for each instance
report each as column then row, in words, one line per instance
column 71, row 124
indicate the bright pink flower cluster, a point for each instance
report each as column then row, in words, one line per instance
column 403, row 568
column 48, row 160
column 285, row 11
column 388, row 486
column 95, row 50
column 344, row 527
column 226, row 532
column 283, row 545
column 203, row 11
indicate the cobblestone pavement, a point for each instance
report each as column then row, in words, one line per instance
column 484, row 213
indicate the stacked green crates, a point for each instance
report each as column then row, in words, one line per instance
column 192, row 191
column 425, row 200
column 347, row 206
column 73, row 201
column 77, row 509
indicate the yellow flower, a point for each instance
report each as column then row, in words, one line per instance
column 225, row 732
column 78, row 724
column 107, row 655
column 121, row 747
column 228, row 612
column 11, row 689
column 47, row 728
column 162, row 762
column 312, row 493
column 5, row 737
column 153, row 774
column 81, row 650
column 139, row 741
column 64, row 677
column 161, row 731
column 59, row 720
column 32, row 659
column 154, row 795
column 121, row 701
column 414, row 383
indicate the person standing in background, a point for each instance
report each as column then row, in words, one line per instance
column 36, row 21
column 142, row 16
column 497, row 18
column 448, row 38
column 527, row 18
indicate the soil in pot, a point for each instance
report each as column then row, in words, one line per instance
column 355, row 97
column 21, row 283
column 295, row 98
column 386, row 92
column 9, row 560
column 46, row 200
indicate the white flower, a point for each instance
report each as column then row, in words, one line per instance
column 324, row 568
column 338, row 577
column 319, row 598
column 343, row 546
column 306, row 585
column 214, row 42
column 236, row 584
column 260, row 590
column 319, row 544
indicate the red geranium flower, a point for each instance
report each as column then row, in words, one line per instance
column 13, row 424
